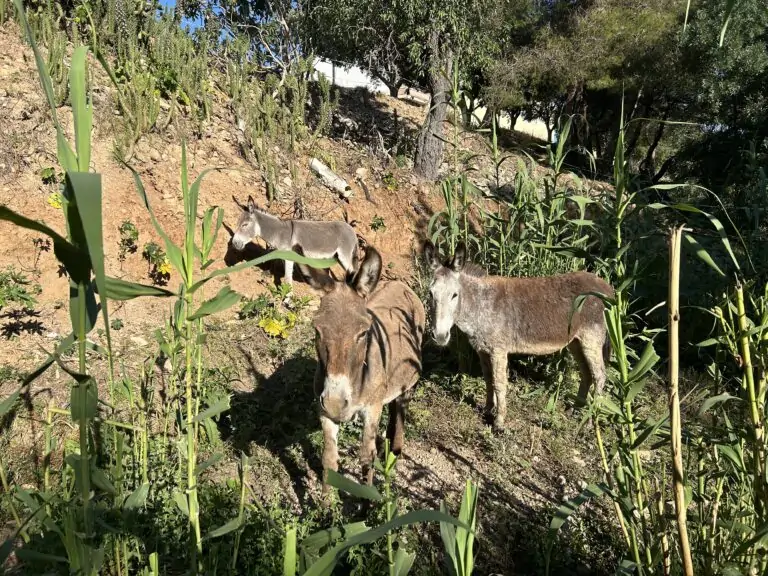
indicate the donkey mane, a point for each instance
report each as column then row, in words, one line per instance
column 475, row 270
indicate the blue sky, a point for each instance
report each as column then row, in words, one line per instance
column 185, row 21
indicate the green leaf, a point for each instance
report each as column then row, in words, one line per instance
column 729, row 5
column 225, row 299
column 230, row 526
column 351, row 487
column 82, row 111
column 403, row 561
column 761, row 535
column 87, row 191
column 626, row 568
column 217, row 408
column 137, row 498
column 327, row 561
column 5, row 549
column 88, row 299
column 289, row 554
column 25, row 554
column 101, row 480
column 713, row 401
column 181, row 502
column 117, row 289
column 567, row 509
column 213, row 460
column 646, row 363
column 84, row 401
column 276, row 255
column 703, row 254
column 648, row 431
column 448, row 536
column 323, row 538
column 10, row 402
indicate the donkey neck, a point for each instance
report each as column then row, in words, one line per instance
column 274, row 230
column 474, row 299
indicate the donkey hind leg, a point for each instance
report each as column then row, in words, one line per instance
column 396, row 427
column 330, row 449
column 490, row 405
column 576, row 350
column 499, row 371
column 593, row 351
column 371, row 418
column 288, row 278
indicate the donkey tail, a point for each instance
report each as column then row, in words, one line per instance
column 607, row 351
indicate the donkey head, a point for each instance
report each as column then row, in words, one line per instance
column 445, row 289
column 343, row 328
column 248, row 225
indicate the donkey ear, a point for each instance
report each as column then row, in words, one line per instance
column 317, row 279
column 430, row 254
column 459, row 257
column 368, row 275
column 251, row 204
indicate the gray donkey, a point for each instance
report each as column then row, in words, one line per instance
column 533, row 316
column 368, row 340
column 315, row 238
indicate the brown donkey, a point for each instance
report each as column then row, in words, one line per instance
column 368, row 340
column 502, row 316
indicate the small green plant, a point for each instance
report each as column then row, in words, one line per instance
column 116, row 324
column 390, row 181
column 41, row 245
column 129, row 237
column 49, row 176
column 458, row 541
column 276, row 312
column 159, row 265
column 377, row 224
column 17, row 290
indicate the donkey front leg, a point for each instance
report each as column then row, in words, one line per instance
column 330, row 449
column 396, row 427
column 485, row 364
column 371, row 417
column 499, row 370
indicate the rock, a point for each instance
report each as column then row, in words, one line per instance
column 164, row 105
column 139, row 341
column 578, row 461
column 361, row 173
column 287, row 181
column 154, row 155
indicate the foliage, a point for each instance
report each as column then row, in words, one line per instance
column 17, row 290
column 278, row 313
column 159, row 266
column 129, row 237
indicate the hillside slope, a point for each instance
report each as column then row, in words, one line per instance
column 522, row 474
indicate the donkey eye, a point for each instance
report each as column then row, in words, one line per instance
column 362, row 335
column 455, row 296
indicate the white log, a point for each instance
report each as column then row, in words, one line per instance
column 330, row 179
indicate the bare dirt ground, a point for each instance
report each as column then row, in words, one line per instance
column 523, row 474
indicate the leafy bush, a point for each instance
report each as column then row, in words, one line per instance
column 17, row 290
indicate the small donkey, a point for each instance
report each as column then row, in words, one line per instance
column 316, row 239
column 368, row 342
column 504, row 316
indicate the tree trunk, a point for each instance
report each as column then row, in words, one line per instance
column 648, row 165
column 394, row 89
column 429, row 149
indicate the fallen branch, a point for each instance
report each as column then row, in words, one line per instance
column 331, row 179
